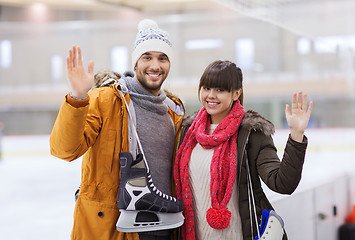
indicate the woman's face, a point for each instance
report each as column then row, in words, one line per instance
column 218, row 102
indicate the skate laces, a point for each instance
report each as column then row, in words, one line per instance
column 156, row 190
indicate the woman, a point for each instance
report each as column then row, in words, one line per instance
column 210, row 168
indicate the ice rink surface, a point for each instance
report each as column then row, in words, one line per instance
column 37, row 189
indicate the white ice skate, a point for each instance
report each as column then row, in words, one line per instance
column 142, row 206
column 271, row 226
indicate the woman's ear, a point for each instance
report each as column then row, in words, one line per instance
column 236, row 94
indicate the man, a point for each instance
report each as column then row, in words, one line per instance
column 96, row 124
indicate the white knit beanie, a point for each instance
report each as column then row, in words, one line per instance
column 150, row 38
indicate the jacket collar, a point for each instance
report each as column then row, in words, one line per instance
column 251, row 121
column 254, row 121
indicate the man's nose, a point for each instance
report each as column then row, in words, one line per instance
column 154, row 64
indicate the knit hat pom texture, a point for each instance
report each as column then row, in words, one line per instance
column 146, row 24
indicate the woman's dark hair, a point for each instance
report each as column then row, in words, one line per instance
column 222, row 74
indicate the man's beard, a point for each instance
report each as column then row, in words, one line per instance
column 149, row 87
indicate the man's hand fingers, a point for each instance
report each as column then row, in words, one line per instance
column 80, row 60
column 69, row 67
column 74, row 57
column 91, row 68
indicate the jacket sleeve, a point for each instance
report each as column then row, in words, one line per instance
column 76, row 127
column 280, row 176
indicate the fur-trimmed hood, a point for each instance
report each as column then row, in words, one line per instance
column 251, row 121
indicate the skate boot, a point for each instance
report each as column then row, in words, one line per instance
column 271, row 226
column 142, row 206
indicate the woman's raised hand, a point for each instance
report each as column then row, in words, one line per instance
column 80, row 81
column 298, row 117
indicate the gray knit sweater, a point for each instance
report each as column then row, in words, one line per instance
column 156, row 132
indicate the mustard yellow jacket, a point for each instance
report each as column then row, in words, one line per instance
column 98, row 129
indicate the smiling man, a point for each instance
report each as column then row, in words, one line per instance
column 97, row 124
column 151, row 70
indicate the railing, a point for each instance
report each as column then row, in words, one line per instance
column 316, row 212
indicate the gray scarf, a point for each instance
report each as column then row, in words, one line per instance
column 146, row 100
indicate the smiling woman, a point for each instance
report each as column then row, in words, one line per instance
column 218, row 102
column 220, row 86
column 210, row 173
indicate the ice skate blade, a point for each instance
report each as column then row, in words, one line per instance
column 143, row 221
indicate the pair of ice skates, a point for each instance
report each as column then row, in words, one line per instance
column 142, row 206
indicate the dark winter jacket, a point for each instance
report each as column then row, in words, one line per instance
column 255, row 135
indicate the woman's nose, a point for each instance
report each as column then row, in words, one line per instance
column 212, row 93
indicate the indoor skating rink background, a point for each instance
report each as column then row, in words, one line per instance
column 37, row 189
column 282, row 46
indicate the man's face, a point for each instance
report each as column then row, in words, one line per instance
column 151, row 70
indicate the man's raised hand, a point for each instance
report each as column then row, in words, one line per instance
column 80, row 81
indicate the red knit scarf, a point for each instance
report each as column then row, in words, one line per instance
column 223, row 167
